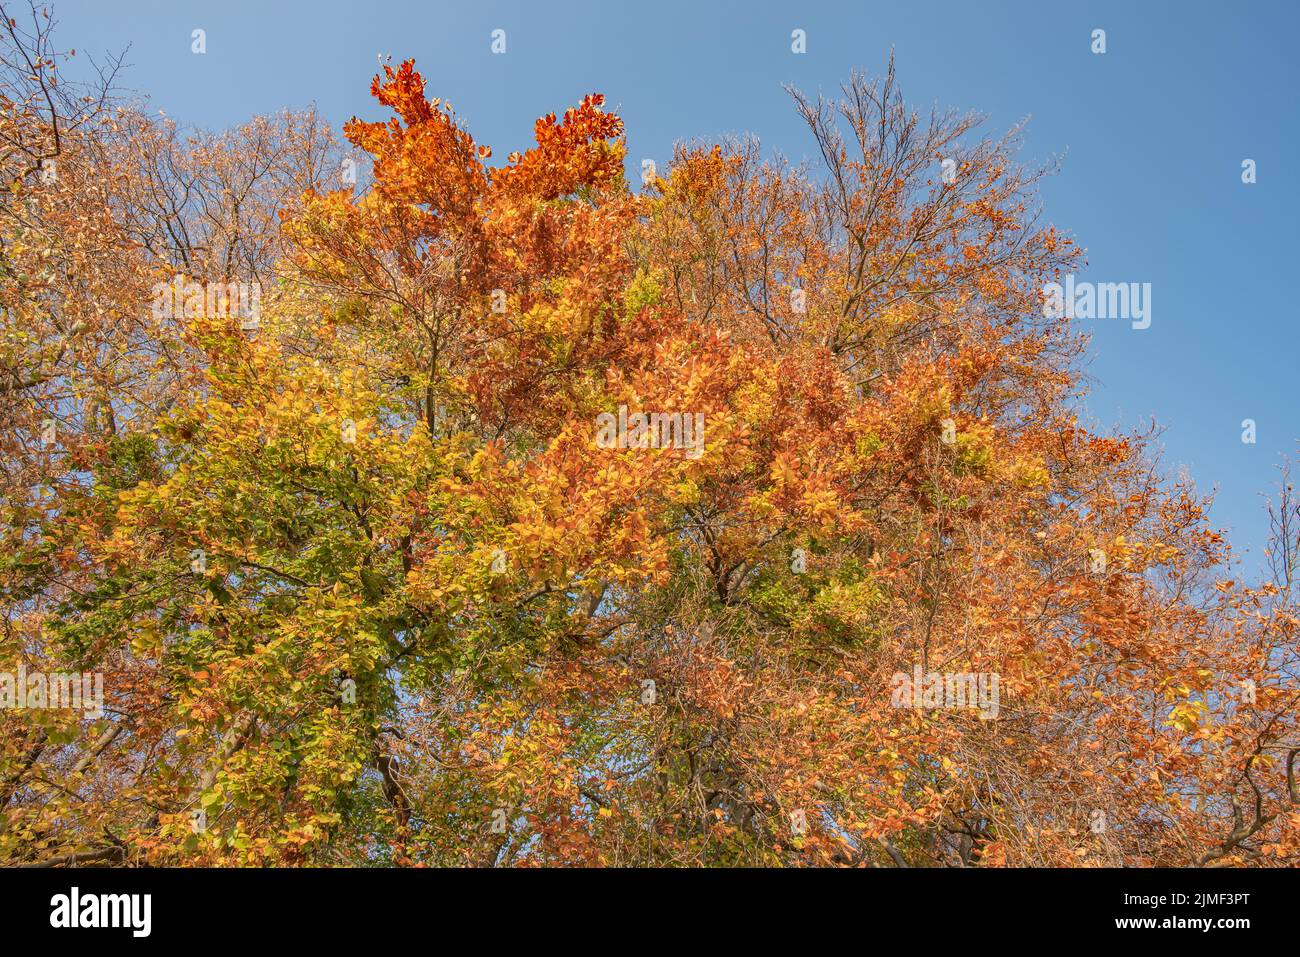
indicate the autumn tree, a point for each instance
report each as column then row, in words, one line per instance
column 367, row 588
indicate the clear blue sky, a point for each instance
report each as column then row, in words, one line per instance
column 1154, row 132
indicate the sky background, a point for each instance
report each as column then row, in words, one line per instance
column 1152, row 135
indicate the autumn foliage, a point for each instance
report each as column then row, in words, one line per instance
column 364, row 588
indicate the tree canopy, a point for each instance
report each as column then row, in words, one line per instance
column 364, row 588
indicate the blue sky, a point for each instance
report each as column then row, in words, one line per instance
column 1153, row 134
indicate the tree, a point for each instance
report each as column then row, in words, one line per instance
column 367, row 586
